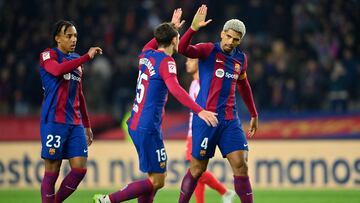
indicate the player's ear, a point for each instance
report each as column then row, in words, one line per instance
column 222, row 35
column 174, row 41
column 57, row 39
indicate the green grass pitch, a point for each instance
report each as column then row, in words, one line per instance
column 170, row 196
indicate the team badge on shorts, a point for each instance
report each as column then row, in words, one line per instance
column 162, row 164
column 202, row 152
column 52, row 151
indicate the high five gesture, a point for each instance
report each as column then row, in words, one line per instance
column 199, row 18
column 176, row 18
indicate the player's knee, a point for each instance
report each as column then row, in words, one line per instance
column 157, row 184
column 197, row 171
column 241, row 167
column 197, row 167
column 244, row 168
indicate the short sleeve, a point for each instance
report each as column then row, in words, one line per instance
column 167, row 68
column 47, row 54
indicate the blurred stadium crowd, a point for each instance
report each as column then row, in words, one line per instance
column 303, row 55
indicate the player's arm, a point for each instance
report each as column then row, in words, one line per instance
column 85, row 117
column 247, row 96
column 201, row 50
column 48, row 60
column 181, row 95
column 246, row 93
column 168, row 74
column 176, row 20
column 152, row 44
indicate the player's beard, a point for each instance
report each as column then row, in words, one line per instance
column 228, row 48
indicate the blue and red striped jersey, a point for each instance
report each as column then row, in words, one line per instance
column 219, row 74
column 151, row 91
column 62, row 93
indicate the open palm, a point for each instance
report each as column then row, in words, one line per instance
column 199, row 18
column 176, row 18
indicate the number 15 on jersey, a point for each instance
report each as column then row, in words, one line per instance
column 140, row 89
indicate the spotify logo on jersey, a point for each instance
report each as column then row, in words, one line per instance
column 219, row 73
column 67, row 76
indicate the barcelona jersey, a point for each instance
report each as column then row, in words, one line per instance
column 61, row 102
column 219, row 74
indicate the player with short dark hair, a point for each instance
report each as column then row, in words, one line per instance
column 222, row 68
column 65, row 126
column 157, row 76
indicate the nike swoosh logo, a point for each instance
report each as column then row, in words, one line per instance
column 219, row 61
column 245, row 145
column 249, row 193
column 70, row 188
column 85, row 150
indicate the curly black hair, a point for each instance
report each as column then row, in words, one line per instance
column 58, row 26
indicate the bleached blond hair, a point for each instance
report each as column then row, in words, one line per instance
column 236, row 25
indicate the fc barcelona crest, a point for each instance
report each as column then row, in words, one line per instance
column 237, row 67
column 52, row 151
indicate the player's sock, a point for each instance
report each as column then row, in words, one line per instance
column 70, row 183
column 147, row 198
column 210, row 180
column 48, row 187
column 200, row 192
column 187, row 187
column 243, row 188
column 132, row 190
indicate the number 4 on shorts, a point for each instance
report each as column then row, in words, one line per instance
column 204, row 143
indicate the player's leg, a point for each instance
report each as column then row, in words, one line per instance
column 72, row 179
column 238, row 162
column 52, row 139
column 234, row 147
column 144, row 190
column 203, row 147
column 152, row 158
column 158, row 181
column 188, row 184
column 209, row 179
column 200, row 192
column 75, row 149
column 52, row 168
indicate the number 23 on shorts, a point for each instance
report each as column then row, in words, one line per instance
column 53, row 141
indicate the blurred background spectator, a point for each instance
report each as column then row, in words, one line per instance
column 302, row 55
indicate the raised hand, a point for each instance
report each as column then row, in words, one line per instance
column 199, row 18
column 253, row 126
column 176, row 18
column 94, row 51
column 209, row 117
